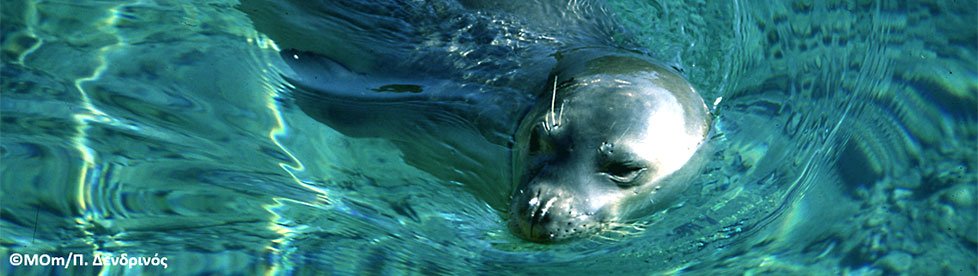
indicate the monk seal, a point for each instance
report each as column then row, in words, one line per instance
column 601, row 148
column 563, row 137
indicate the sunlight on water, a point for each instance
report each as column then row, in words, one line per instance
column 845, row 137
column 90, row 179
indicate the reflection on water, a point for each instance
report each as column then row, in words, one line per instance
column 846, row 143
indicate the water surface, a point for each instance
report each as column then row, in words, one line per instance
column 846, row 141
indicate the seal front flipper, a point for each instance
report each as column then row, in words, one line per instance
column 453, row 131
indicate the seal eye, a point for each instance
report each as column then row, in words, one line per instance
column 623, row 173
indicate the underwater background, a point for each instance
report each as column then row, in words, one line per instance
column 846, row 142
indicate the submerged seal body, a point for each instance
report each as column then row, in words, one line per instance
column 564, row 137
column 601, row 150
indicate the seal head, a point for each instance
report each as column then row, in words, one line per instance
column 602, row 148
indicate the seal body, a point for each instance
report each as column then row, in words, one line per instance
column 462, row 90
column 603, row 147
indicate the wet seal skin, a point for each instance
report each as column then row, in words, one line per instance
column 602, row 148
column 575, row 138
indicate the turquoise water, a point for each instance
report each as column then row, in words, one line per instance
column 846, row 140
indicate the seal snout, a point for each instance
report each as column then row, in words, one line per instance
column 547, row 214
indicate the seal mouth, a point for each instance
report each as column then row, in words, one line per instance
column 546, row 230
column 549, row 220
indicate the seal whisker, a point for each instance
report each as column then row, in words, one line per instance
column 606, row 238
column 615, row 231
column 622, row 136
column 560, row 117
column 553, row 100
